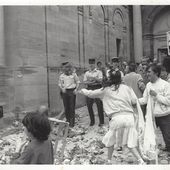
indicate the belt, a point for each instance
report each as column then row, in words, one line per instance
column 71, row 89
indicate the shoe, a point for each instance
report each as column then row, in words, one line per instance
column 101, row 124
column 92, row 124
column 119, row 149
column 141, row 162
column 145, row 158
column 108, row 162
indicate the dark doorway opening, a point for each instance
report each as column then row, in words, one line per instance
column 118, row 43
column 162, row 53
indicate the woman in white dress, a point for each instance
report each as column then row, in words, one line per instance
column 118, row 100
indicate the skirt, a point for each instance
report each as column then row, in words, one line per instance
column 122, row 131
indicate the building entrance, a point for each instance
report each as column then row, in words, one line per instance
column 162, row 53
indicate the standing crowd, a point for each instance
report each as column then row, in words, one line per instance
column 117, row 89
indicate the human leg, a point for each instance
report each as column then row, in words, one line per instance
column 90, row 102
column 72, row 100
column 137, row 155
column 100, row 111
column 110, row 152
column 65, row 98
column 164, row 124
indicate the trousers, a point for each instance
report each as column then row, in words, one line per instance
column 164, row 124
column 99, row 103
column 69, row 100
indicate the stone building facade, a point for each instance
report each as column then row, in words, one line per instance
column 35, row 40
column 155, row 24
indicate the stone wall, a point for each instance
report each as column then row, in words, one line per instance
column 155, row 24
column 39, row 36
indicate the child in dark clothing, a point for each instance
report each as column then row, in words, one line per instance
column 40, row 149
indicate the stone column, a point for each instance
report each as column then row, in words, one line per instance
column 81, row 36
column 2, row 57
column 106, row 37
column 3, row 82
column 137, row 32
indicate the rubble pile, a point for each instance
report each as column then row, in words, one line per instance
column 84, row 145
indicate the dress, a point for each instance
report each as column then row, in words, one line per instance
column 118, row 105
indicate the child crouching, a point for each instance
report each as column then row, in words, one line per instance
column 39, row 150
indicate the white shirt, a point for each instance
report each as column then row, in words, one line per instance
column 91, row 74
column 118, row 101
column 161, row 102
column 68, row 81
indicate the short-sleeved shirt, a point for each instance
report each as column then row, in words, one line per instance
column 37, row 152
column 68, row 81
column 90, row 74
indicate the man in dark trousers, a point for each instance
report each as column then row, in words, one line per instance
column 93, row 79
column 69, row 83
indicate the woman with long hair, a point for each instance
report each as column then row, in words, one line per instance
column 118, row 100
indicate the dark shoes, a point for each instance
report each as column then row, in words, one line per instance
column 92, row 123
column 101, row 124
column 119, row 149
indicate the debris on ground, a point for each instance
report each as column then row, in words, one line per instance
column 84, row 144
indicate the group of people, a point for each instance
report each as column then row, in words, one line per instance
column 116, row 93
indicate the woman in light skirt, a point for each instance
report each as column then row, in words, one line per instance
column 118, row 102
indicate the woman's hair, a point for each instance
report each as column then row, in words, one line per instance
column 155, row 68
column 114, row 79
column 38, row 125
column 132, row 67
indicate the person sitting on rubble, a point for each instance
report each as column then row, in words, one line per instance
column 39, row 149
column 118, row 101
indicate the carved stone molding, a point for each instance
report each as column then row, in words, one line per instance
column 80, row 10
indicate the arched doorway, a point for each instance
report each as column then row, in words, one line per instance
column 156, row 22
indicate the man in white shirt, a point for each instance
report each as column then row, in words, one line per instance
column 69, row 83
column 93, row 79
column 159, row 92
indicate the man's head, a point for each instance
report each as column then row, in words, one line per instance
column 99, row 64
column 115, row 62
column 67, row 68
column 132, row 67
column 153, row 72
column 92, row 63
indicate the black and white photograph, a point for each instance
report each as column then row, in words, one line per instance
column 85, row 84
